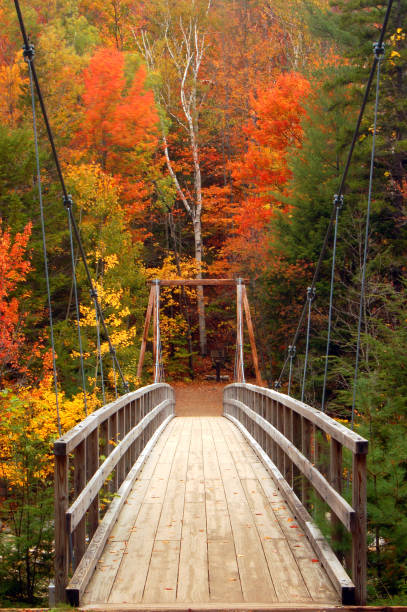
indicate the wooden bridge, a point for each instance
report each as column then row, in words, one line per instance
column 208, row 512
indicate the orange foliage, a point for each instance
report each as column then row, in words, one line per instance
column 119, row 128
column 272, row 132
column 14, row 267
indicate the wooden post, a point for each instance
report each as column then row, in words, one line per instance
column 306, row 432
column 92, row 464
column 239, row 333
column 251, row 336
column 297, row 443
column 113, row 437
column 336, row 482
column 120, row 435
column 359, row 544
column 79, row 536
column 61, row 559
column 145, row 333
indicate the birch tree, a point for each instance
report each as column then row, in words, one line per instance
column 174, row 43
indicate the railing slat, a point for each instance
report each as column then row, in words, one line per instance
column 121, row 444
column 303, row 448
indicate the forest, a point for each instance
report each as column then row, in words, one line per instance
column 199, row 139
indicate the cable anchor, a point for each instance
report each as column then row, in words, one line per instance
column 338, row 201
column 68, row 202
column 28, row 52
column 378, row 50
column 311, row 294
column 277, row 385
column 93, row 293
column 292, row 349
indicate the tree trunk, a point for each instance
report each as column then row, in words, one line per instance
column 199, row 289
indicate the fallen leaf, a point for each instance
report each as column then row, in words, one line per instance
column 315, row 560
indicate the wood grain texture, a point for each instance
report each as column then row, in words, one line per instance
column 202, row 527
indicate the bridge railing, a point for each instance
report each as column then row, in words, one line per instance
column 105, row 451
column 303, row 449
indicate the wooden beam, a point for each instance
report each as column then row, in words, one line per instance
column 197, row 282
column 69, row 441
column 338, row 504
column 251, row 337
column 339, row 432
column 341, row 581
column 145, row 333
column 83, row 573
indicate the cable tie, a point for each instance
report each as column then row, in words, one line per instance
column 68, row 202
column 338, row 201
column 292, row 349
column 277, row 384
column 28, row 52
column 93, row 293
column 378, row 50
column 311, row 293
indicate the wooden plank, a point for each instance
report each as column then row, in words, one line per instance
column 129, row 584
column 83, row 573
column 61, row 561
column 170, row 525
column 253, row 570
column 264, row 517
column 217, row 513
column 79, row 536
column 195, row 483
column 341, row 581
column 193, row 562
column 339, row 505
column 359, row 540
column 195, row 282
column 315, row 579
column 145, row 333
column 104, row 576
column 342, row 434
column 251, row 337
column 66, row 444
column 224, row 580
column 161, row 583
column 285, row 572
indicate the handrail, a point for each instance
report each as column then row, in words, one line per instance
column 109, row 449
column 302, row 448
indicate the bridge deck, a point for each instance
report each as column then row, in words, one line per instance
column 205, row 524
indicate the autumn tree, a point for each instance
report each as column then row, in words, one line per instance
column 14, row 267
column 174, row 43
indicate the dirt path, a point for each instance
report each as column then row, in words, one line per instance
column 199, row 399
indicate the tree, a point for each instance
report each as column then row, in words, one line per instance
column 14, row 267
column 119, row 127
column 181, row 33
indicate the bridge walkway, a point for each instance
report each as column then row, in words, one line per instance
column 205, row 524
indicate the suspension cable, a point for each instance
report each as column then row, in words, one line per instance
column 338, row 201
column 78, row 324
column 378, row 52
column 310, row 299
column 342, row 182
column 66, row 196
column 99, row 349
column 29, row 56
